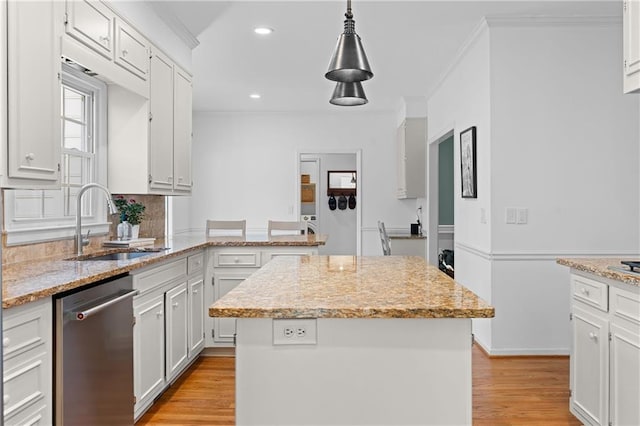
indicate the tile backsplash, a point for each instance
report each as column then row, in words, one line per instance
column 151, row 226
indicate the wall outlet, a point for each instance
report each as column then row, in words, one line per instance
column 522, row 216
column 510, row 215
column 295, row 332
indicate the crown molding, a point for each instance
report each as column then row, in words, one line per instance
column 175, row 24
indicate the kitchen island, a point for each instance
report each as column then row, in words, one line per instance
column 352, row 340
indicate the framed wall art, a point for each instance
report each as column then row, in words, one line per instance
column 468, row 163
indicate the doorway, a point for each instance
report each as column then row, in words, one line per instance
column 440, row 196
column 342, row 226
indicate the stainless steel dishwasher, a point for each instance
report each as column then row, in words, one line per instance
column 94, row 355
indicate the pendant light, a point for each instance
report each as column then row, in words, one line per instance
column 349, row 62
column 348, row 94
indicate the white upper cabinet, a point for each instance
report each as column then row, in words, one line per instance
column 161, row 123
column 631, row 37
column 156, row 130
column 33, row 94
column 182, row 125
column 410, row 157
column 91, row 23
column 132, row 50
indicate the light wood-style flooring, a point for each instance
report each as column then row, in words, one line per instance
column 506, row 391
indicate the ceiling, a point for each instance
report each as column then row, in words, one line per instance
column 409, row 44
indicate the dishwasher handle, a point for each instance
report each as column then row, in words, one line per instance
column 86, row 313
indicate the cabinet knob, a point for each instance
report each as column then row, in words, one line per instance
column 593, row 336
column 175, row 304
column 30, row 156
column 104, row 39
column 125, row 52
column 5, row 342
column 584, row 291
column 236, row 260
column 195, row 291
column 159, row 314
column 5, row 398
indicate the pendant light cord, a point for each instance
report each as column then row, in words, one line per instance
column 349, row 14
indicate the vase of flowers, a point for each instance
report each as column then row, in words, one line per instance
column 131, row 212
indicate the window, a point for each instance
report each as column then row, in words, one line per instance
column 40, row 215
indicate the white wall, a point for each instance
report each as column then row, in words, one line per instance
column 558, row 139
column 245, row 165
column 462, row 101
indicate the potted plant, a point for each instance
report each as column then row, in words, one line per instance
column 131, row 212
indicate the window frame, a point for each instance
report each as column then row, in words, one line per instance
column 23, row 231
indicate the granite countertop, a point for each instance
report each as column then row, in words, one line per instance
column 350, row 287
column 407, row 237
column 28, row 281
column 600, row 267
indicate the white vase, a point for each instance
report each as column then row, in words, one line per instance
column 135, row 231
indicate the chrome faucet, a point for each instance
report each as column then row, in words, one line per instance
column 80, row 242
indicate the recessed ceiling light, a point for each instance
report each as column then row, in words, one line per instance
column 263, row 30
column 255, row 96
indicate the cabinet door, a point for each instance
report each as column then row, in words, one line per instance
column 148, row 348
column 132, row 50
column 33, row 91
column 91, row 22
column 177, row 323
column 161, row 123
column 590, row 365
column 631, row 36
column 624, row 374
column 196, row 316
column 225, row 328
column 182, row 130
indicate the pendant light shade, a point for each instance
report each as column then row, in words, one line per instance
column 349, row 62
column 348, row 94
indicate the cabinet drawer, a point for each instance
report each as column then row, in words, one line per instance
column 25, row 327
column 25, row 384
column 625, row 305
column 237, row 259
column 132, row 50
column 31, row 416
column 591, row 292
column 159, row 275
column 195, row 263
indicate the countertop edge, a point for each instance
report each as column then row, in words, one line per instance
column 590, row 265
column 352, row 313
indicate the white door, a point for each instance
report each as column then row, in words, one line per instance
column 148, row 348
column 625, row 376
column 91, row 23
column 182, row 130
column 590, row 365
column 177, row 323
column 225, row 328
column 196, row 316
column 161, row 123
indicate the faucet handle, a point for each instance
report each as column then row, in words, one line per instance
column 85, row 240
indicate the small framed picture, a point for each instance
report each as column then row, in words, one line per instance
column 468, row 163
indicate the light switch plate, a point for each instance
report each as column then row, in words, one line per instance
column 510, row 215
column 522, row 216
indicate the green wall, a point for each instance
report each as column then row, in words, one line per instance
column 445, row 180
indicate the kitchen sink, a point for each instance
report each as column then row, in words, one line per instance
column 119, row 255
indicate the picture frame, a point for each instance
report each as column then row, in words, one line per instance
column 468, row 172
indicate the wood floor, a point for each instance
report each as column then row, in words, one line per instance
column 506, row 391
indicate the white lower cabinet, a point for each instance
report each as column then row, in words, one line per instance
column 169, row 323
column 177, row 346
column 605, row 355
column 227, row 267
column 27, row 363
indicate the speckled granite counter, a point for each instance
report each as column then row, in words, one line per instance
column 407, row 237
column 600, row 267
column 28, row 281
column 350, row 287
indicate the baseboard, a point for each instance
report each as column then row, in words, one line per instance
column 219, row 352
